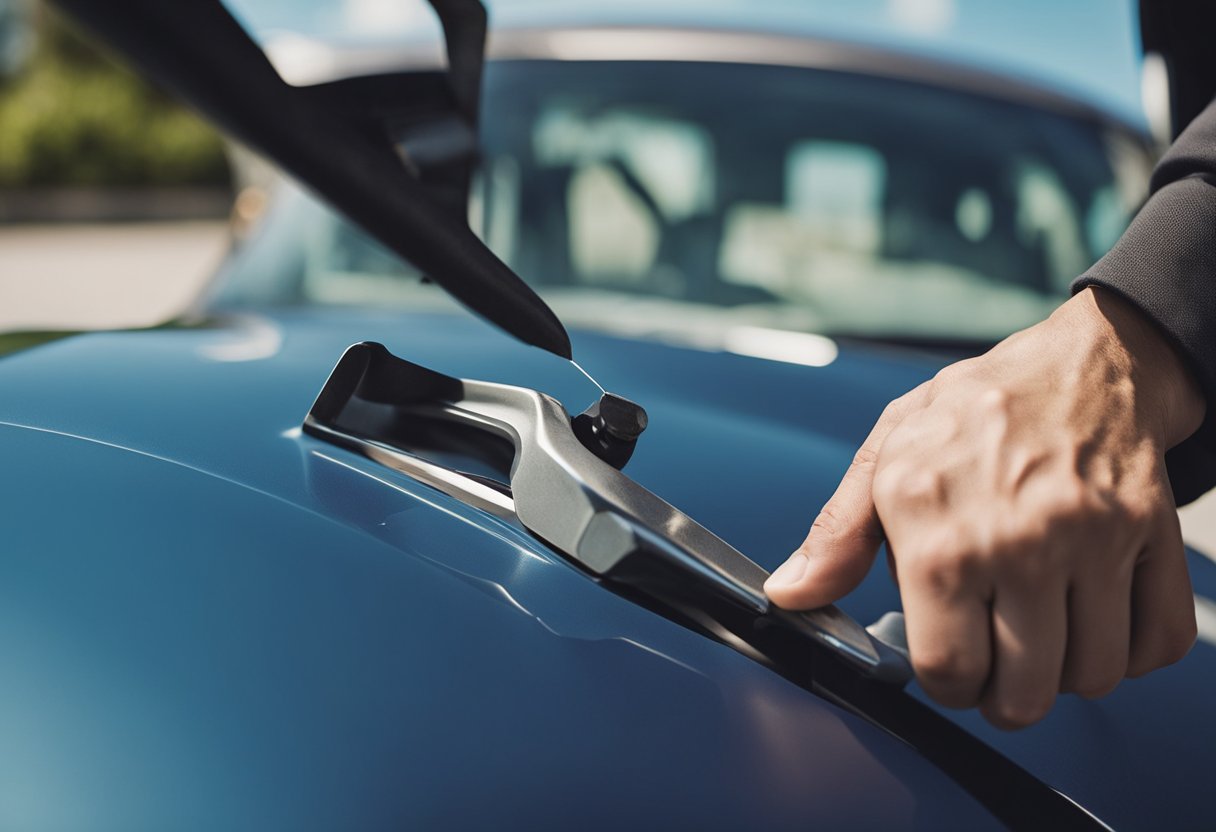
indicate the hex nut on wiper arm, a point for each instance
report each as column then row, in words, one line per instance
column 610, row 428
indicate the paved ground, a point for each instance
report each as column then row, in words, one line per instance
column 91, row 276
column 137, row 274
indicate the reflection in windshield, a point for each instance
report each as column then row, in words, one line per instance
column 700, row 196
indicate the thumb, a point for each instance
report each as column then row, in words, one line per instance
column 842, row 543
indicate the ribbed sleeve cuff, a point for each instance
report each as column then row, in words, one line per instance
column 1165, row 263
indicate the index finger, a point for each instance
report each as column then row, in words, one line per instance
column 843, row 540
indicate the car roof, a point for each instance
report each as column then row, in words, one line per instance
column 1085, row 49
column 305, row 60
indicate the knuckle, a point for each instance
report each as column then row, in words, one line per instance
column 864, row 457
column 895, row 408
column 1094, row 683
column 943, row 670
column 904, row 485
column 828, row 522
column 1179, row 641
column 835, row 521
column 1137, row 512
column 899, row 407
column 970, row 566
column 925, row 485
column 1013, row 714
column 886, row 484
column 952, row 372
column 1069, row 505
column 947, row 569
column 1096, row 688
column 1170, row 644
column 994, row 401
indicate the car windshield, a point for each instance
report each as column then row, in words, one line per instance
column 684, row 197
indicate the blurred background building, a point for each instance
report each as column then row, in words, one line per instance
column 112, row 197
column 74, row 118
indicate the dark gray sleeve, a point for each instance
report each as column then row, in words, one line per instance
column 1165, row 263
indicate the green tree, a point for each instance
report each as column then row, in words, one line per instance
column 74, row 116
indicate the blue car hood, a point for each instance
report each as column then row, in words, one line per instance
column 208, row 620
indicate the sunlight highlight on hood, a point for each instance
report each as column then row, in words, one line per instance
column 803, row 348
column 248, row 338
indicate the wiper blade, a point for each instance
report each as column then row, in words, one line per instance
column 338, row 144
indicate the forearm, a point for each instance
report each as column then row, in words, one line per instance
column 1165, row 264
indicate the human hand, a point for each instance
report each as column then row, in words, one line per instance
column 1029, row 519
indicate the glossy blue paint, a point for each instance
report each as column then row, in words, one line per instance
column 208, row 620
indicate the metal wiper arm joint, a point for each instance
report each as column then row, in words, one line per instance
column 572, row 499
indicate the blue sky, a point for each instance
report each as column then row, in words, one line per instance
column 1090, row 47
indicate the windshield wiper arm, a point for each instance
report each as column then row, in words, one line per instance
column 567, row 495
column 565, row 488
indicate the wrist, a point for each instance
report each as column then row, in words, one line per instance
column 1171, row 397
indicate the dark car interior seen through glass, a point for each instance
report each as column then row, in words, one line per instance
column 676, row 198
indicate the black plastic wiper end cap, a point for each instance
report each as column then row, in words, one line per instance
column 610, row 428
column 622, row 418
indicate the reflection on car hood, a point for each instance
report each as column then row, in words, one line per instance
column 289, row 640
